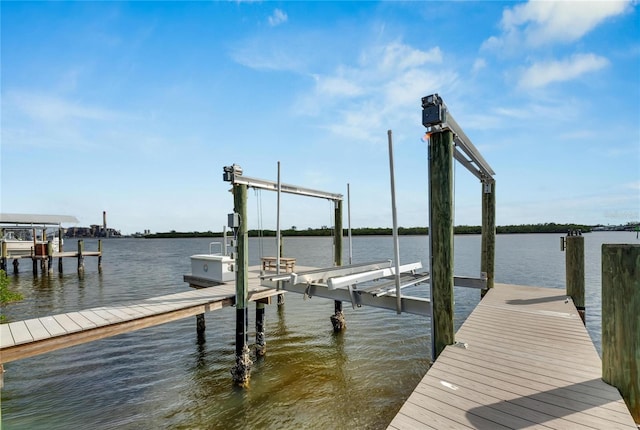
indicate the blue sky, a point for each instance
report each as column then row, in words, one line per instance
column 134, row 108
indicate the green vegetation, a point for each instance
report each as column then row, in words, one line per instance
column 386, row 231
column 6, row 295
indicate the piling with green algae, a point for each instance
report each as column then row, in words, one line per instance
column 441, row 237
column 621, row 322
column 241, row 372
column 488, row 246
column 574, row 267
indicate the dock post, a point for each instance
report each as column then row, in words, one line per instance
column 60, row 249
column 488, row 246
column 49, row 257
column 621, row 322
column 34, row 260
column 261, row 342
column 80, row 256
column 16, row 266
column 441, row 239
column 574, row 262
column 3, row 257
column 99, row 255
column 241, row 372
column 280, row 300
column 200, row 327
column 337, row 319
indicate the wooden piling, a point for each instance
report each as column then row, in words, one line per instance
column 574, row 267
column 261, row 343
column 49, row 257
column 3, row 256
column 16, row 266
column 441, row 238
column 80, row 256
column 488, row 246
column 99, row 255
column 621, row 322
column 241, row 372
column 200, row 327
column 337, row 319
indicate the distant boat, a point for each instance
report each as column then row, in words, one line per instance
column 18, row 231
column 19, row 247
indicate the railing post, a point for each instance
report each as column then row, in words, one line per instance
column 488, row 246
column 241, row 372
column 574, row 262
column 621, row 322
column 441, row 239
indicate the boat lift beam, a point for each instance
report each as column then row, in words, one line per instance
column 436, row 117
column 233, row 174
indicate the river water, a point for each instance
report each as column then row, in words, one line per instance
column 161, row 377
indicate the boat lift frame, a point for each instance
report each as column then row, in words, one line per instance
column 447, row 141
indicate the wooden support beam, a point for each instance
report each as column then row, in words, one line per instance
column 241, row 372
column 441, row 239
column 488, row 246
column 574, row 262
column 621, row 322
column 337, row 319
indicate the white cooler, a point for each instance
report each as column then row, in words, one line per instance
column 217, row 268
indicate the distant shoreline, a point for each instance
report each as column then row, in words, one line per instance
column 384, row 231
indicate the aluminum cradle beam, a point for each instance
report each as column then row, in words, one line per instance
column 322, row 275
column 411, row 305
column 371, row 275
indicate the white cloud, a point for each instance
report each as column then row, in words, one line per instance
column 41, row 107
column 540, row 23
column 379, row 90
column 544, row 73
column 278, row 17
column 478, row 65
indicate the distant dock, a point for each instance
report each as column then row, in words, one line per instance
column 523, row 359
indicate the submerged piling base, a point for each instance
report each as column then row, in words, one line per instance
column 200, row 327
column 241, row 372
column 261, row 343
column 337, row 319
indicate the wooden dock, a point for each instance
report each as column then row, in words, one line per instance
column 22, row 339
column 522, row 359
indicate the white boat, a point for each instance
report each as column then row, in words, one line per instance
column 19, row 247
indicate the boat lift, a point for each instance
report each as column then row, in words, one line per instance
column 369, row 284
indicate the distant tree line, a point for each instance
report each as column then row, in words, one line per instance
column 385, row 231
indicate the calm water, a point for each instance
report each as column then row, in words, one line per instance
column 161, row 377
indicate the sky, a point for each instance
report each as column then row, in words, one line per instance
column 135, row 108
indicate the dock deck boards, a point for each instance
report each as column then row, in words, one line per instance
column 22, row 339
column 528, row 363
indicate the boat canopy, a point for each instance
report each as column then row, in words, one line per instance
column 31, row 219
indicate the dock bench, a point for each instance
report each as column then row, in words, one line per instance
column 269, row 263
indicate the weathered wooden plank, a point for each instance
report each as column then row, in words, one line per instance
column 67, row 323
column 529, row 362
column 37, row 330
column 20, row 332
column 94, row 318
column 52, row 326
column 6, row 338
column 458, row 377
column 81, row 320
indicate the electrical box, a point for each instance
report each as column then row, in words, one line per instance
column 433, row 110
column 233, row 220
